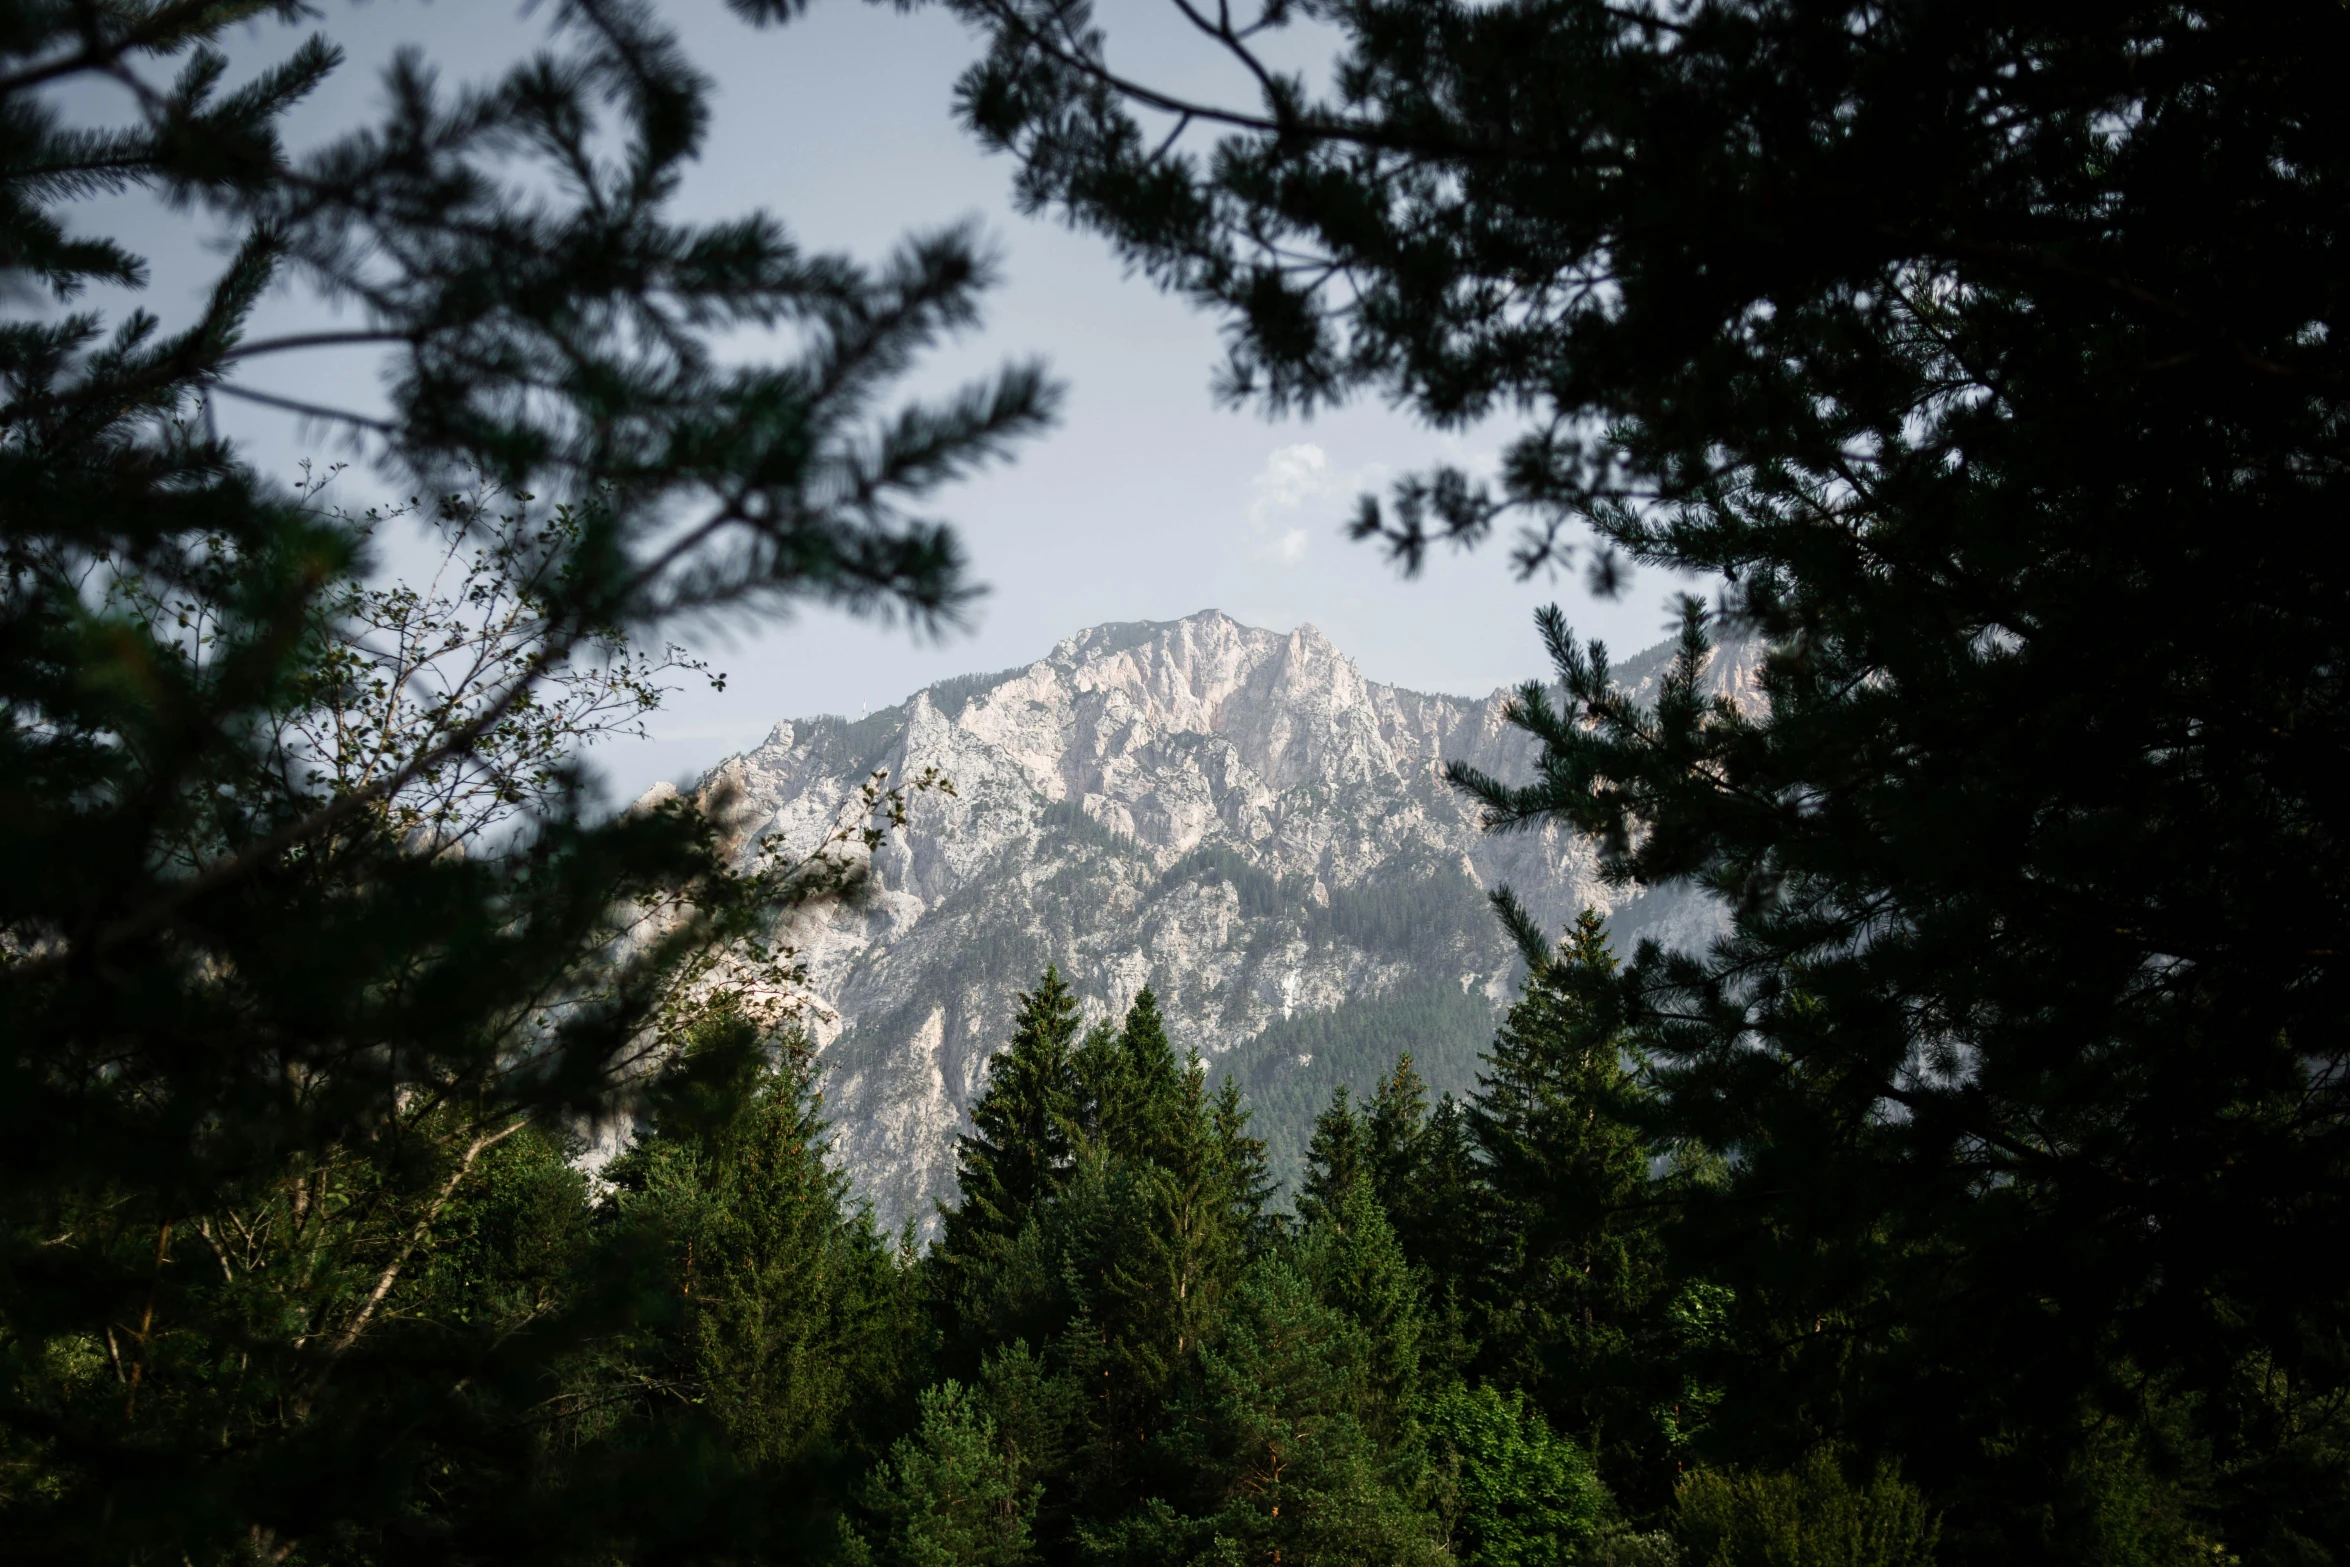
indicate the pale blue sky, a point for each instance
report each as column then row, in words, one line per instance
column 1147, row 503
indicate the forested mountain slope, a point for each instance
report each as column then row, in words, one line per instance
column 1233, row 816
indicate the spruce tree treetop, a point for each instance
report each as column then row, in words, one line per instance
column 1145, row 1033
column 1334, row 1159
column 1392, row 1130
column 1024, row 1125
column 1132, row 1084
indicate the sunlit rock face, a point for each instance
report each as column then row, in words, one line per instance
column 1235, row 817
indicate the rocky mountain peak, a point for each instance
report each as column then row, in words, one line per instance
column 1232, row 815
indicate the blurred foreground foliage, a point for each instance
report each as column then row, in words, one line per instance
column 316, row 952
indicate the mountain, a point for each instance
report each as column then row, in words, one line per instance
column 1235, row 817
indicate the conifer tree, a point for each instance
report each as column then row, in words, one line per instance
column 1131, row 1083
column 1192, row 1225
column 1442, row 1220
column 1350, row 1253
column 1992, row 357
column 1243, row 1155
column 1334, row 1158
column 1575, row 1256
column 948, row 1494
column 1422, row 1168
column 1160, row 1101
column 1099, row 1067
column 771, row 1317
column 1392, row 1130
column 1173, row 1228
column 265, row 1006
column 1022, row 1126
column 1032, row 1399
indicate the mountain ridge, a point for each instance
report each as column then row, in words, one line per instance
column 1234, row 816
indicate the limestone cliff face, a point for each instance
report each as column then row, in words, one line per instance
column 1235, row 817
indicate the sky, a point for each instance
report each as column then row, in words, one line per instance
column 1149, row 501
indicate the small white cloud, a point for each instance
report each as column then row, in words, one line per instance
column 1292, row 476
column 1300, row 479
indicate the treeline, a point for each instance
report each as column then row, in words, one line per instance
column 1503, row 1327
column 1481, row 1331
column 1166, row 1370
column 1467, row 1342
column 1290, row 1068
column 1118, row 1350
column 1463, row 1341
column 1512, row 1326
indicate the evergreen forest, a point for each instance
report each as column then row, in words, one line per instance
column 406, row 1157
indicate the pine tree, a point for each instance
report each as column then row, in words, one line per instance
column 267, row 1003
column 1022, row 1126
column 1194, row 1219
column 1350, row 1253
column 1032, row 1397
column 1159, row 1114
column 1167, row 1234
column 1272, row 1458
column 1243, row 1156
column 1197, row 1179
column 948, row 1495
column 1334, row 1158
column 1442, row 1219
column 1422, row 1170
column 1131, row 1084
column 1575, row 1267
column 1393, row 1128
column 772, row 1314
column 1993, row 358
column 1099, row 1066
